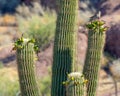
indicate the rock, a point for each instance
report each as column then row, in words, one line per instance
column 110, row 14
column 44, row 60
column 106, row 86
column 109, row 7
column 6, row 54
column 112, row 40
column 115, row 69
column 81, row 46
column 5, row 39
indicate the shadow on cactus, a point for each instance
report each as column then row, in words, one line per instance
column 96, row 40
column 63, row 59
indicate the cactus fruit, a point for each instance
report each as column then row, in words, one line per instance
column 25, row 62
column 64, row 45
column 96, row 38
column 75, row 84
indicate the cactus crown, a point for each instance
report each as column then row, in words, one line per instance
column 72, row 79
column 21, row 42
column 97, row 24
column 75, row 84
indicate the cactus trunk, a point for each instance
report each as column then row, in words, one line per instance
column 96, row 37
column 64, row 45
column 75, row 84
column 25, row 61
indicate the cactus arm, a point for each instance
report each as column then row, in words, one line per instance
column 96, row 38
column 25, row 61
column 75, row 85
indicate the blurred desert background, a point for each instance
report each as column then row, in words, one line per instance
column 37, row 19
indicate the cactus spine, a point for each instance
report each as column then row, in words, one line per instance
column 75, row 84
column 96, row 37
column 25, row 61
column 64, row 45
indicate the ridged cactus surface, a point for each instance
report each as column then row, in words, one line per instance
column 25, row 61
column 64, row 45
column 75, row 85
column 96, row 38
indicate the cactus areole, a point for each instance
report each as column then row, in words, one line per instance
column 64, row 45
column 25, row 60
column 96, row 38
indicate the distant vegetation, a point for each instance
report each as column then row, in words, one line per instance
column 39, row 25
column 9, row 85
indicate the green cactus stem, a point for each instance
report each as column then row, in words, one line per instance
column 25, row 61
column 75, row 84
column 96, row 39
column 64, row 45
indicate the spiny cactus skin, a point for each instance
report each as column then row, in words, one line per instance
column 64, row 45
column 25, row 61
column 75, row 84
column 96, row 38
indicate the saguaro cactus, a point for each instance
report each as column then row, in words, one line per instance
column 96, row 38
column 25, row 61
column 64, row 45
column 75, row 84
